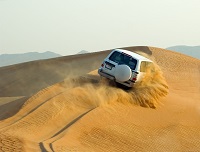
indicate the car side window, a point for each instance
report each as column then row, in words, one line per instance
column 144, row 66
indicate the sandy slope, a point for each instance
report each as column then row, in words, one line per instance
column 10, row 105
column 84, row 115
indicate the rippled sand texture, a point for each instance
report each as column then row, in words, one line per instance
column 83, row 113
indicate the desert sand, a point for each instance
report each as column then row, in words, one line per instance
column 61, row 105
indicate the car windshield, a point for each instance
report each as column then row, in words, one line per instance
column 122, row 58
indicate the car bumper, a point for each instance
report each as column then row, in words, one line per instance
column 106, row 75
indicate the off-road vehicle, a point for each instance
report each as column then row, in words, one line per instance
column 124, row 67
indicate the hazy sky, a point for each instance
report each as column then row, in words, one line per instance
column 69, row 26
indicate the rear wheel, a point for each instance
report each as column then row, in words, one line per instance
column 119, row 85
column 103, row 80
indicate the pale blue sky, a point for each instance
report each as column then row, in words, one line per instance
column 69, row 26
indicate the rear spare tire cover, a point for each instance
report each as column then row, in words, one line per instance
column 122, row 73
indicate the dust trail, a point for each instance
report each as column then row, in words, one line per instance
column 152, row 87
column 145, row 93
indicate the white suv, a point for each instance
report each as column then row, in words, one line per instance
column 124, row 67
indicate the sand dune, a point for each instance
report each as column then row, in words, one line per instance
column 75, row 111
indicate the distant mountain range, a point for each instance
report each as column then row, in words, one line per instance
column 10, row 59
column 83, row 52
column 193, row 51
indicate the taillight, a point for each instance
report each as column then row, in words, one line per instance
column 102, row 65
column 134, row 79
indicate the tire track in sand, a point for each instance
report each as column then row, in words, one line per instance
column 57, row 112
column 47, row 145
column 33, row 103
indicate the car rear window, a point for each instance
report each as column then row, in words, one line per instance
column 122, row 58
